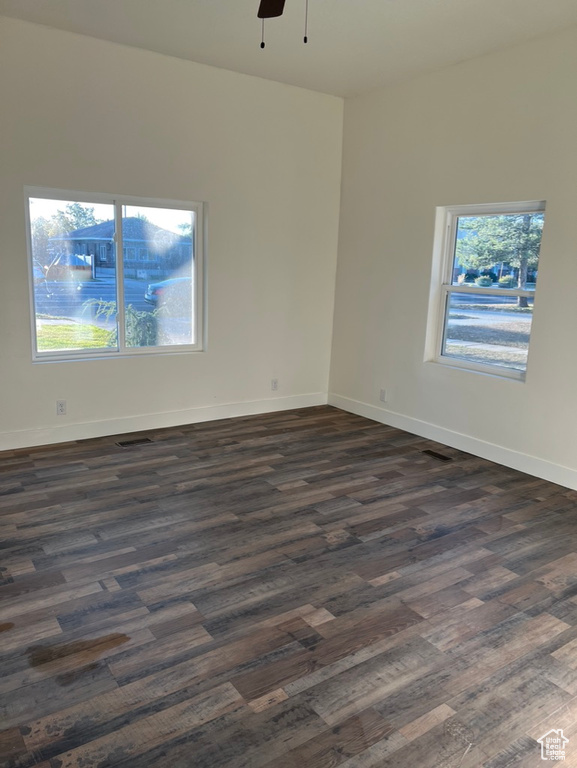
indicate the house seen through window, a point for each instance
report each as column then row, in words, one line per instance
column 490, row 269
column 114, row 276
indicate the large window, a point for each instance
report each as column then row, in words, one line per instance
column 488, row 266
column 91, row 293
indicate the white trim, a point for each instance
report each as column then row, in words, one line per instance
column 199, row 255
column 478, row 289
column 523, row 462
column 85, row 430
column 442, row 287
column 75, row 196
column 30, row 262
column 452, row 361
column 486, row 209
column 119, row 274
column 434, row 325
column 199, row 209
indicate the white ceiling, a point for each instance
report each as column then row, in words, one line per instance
column 354, row 45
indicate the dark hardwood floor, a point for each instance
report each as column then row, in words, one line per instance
column 304, row 589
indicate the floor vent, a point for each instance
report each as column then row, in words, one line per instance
column 439, row 456
column 136, row 441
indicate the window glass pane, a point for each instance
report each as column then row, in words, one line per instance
column 498, row 251
column 492, row 330
column 158, row 286
column 74, row 279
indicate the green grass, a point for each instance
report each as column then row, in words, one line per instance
column 72, row 336
column 509, row 334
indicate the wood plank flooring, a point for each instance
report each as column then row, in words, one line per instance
column 305, row 589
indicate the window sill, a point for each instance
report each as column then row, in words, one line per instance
column 114, row 355
column 509, row 374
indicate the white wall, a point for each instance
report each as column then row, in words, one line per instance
column 77, row 113
column 81, row 114
column 498, row 128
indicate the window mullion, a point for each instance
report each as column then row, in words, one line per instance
column 199, row 235
column 120, row 315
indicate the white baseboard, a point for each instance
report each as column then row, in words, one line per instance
column 523, row 462
column 81, row 431
column 532, row 465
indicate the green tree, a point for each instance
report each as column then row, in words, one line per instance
column 186, row 229
column 513, row 239
column 74, row 216
column 41, row 232
column 141, row 327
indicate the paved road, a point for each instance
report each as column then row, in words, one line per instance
column 483, row 317
column 486, row 316
column 68, row 299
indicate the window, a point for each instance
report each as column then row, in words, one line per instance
column 487, row 265
column 85, row 305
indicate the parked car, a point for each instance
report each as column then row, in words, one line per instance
column 175, row 294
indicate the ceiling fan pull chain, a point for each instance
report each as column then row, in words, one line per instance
column 262, row 37
column 306, row 37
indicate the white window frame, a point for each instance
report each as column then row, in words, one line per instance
column 118, row 201
column 442, row 283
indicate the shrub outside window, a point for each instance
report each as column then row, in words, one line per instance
column 489, row 268
column 91, row 294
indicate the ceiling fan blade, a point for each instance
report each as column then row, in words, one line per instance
column 270, row 8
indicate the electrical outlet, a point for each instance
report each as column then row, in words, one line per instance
column 274, row 384
column 61, row 407
column 383, row 396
